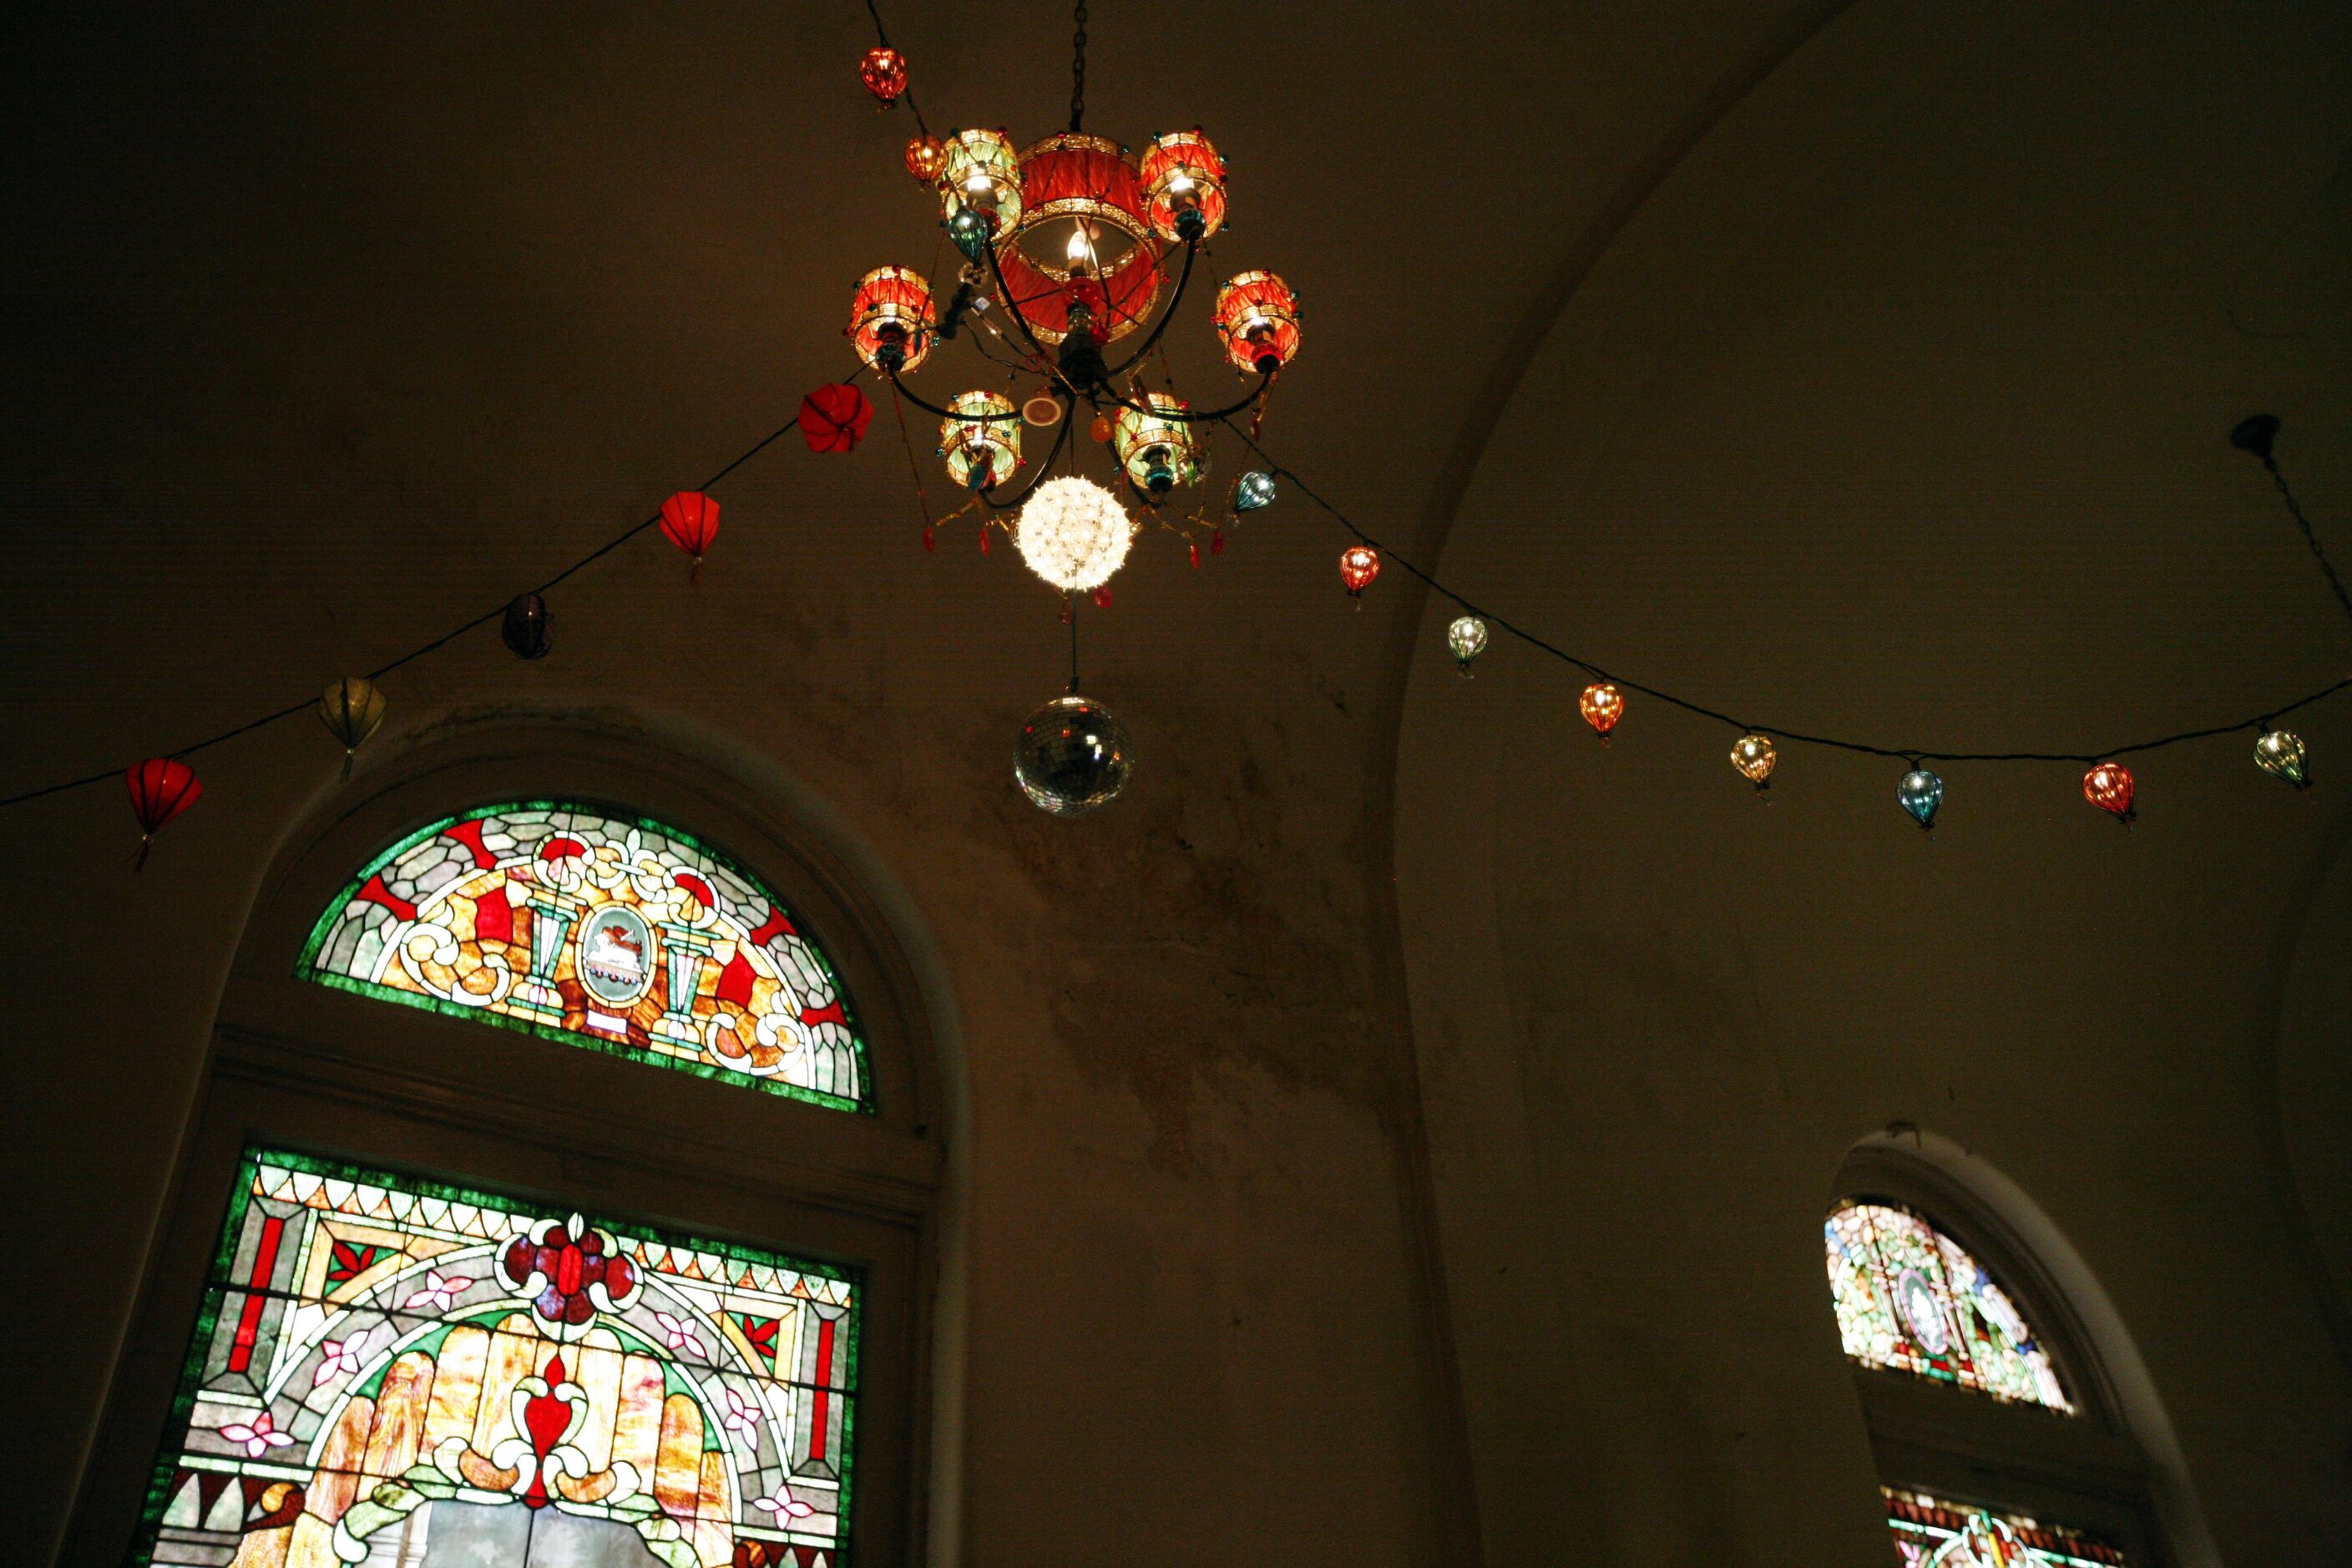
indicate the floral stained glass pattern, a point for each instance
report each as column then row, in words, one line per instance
column 1908, row 1296
column 395, row 1372
column 607, row 931
column 1931, row 1533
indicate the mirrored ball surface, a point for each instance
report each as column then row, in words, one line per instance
column 1072, row 757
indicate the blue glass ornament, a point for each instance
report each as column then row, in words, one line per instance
column 1257, row 489
column 969, row 229
column 1920, row 792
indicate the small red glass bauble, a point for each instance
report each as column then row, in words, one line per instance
column 884, row 73
column 1603, row 705
column 2108, row 786
column 926, row 156
column 1359, row 564
column 161, row 788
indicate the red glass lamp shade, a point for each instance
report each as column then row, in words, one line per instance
column 890, row 318
column 1603, row 705
column 161, row 788
column 2108, row 786
column 884, row 71
column 1359, row 564
column 1183, row 187
column 689, row 520
column 834, row 416
column 1258, row 321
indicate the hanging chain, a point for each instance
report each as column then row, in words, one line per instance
column 1079, row 73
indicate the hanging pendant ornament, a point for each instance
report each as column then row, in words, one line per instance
column 1753, row 755
column 527, row 629
column 1467, row 638
column 1255, row 490
column 1042, row 409
column 161, row 788
column 884, row 72
column 350, row 710
column 1101, row 428
column 1603, row 705
column 2280, row 754
column 2108, row 786
column 1072, row 757
column 689, row 520
column 926, row 156
column 1920, row 792
column 834, row 419
column 1359, row 566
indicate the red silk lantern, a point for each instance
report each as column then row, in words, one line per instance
column 834, row 416
column 884, row 71
column 1359, row 564
column 2108, row 786
column 1603, row 705
column 161, row 788
column 890, row 318
column 689, row 520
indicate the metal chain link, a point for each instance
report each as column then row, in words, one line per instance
column 1079, row 73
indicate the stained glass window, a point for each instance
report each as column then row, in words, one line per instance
column 1931, row 1533
column 393, row 1371
column 1910, row 1297
column 603, row 930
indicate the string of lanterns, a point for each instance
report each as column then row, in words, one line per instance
column 1073, row 756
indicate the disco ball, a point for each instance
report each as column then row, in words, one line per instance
column 1072, row 757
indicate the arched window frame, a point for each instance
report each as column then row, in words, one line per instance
column 311, row 1068
column 2081, row 1471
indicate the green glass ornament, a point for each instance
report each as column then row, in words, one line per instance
column 2280, row 754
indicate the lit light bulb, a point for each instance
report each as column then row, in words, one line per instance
column 2280, row 754
column 1180, row 184
column 1754, row 757
column 1078, row 247
column 1603, row 705
column 975, row 184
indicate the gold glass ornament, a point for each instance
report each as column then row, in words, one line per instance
column 1754, row 757
column 350, row 710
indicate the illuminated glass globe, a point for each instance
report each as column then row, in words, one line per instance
column 1073, row 533
column 1072, row 757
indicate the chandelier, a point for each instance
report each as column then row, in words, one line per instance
column 1077, row 255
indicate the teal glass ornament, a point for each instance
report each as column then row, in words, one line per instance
column 969, row 229
column 1257, row 489
column 1920, row 792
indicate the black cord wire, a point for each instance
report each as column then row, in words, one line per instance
column 417, row 653
column 1913, row 754
column 2294, row 509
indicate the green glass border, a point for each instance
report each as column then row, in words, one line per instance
column 307, row 967
column 217, row 1283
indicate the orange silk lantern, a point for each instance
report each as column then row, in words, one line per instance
column 1258, row 321
column 890, row 318
column 834, row 416
column 926, row 156
column 884, row 72
column 161, row 788
column 689, row 520
column 1359, row 564
column 2108, row 786
column 1603, row 705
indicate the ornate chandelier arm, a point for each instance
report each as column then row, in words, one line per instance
column 906, row 392
column 1038, row 477
column 1192, row 248
column 1187, row 416
column 1013, row 310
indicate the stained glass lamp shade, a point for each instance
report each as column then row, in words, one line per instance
column 1258, row 321
column 380, row 1360
column 890, row 318
column 1157, row 448
column 1912, row 1299
column 981, row 171
column 1183, row 175
column 981, row 439
column 616, row 933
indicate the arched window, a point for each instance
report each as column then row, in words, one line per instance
column 606, row 930
column 1997, row 1443
column 431, row 1292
